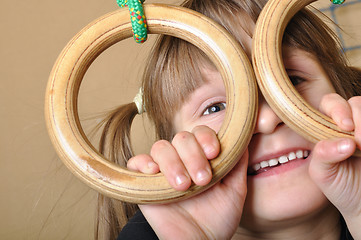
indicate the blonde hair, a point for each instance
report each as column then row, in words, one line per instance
column 173, row 72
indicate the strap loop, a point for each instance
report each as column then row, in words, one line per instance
column 337, row 1
column 137, row 17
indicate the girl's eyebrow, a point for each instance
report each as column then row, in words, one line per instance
column 292, row 71
column 295, row 62
column 299, row 63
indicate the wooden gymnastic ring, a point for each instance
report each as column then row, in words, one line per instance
column 62, row 92
column 273, row 80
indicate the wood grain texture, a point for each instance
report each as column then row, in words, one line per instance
column 64, row 82
column 273, row 79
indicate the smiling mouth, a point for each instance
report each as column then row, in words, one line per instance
column 267, row 165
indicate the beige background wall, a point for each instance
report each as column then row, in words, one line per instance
column 346, row 17
column 39, row 198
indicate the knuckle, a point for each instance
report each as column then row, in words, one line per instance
column 131, row 164
column 200, row 128
column 135, row 162
column 329, row 99
column 204, row 130
column 181, row 137
column 331, row 96
column 320, row 150
column 334, row 105
column 160, row 146
column 355, row 101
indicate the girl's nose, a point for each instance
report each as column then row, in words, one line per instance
column 267, row 120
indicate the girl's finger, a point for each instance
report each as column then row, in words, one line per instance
column 355, row 103
column 143, row 163
column 207, row 139
column 193, row 157
column 336, row 107
column 170, row 164
column 237, row 177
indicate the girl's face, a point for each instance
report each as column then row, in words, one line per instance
column 279, row 186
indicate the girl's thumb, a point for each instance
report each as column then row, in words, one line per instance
column 327, row 156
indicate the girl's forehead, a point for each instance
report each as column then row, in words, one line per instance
column 242, row 30
column 246, row 42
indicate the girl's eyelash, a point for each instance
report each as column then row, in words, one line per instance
column 296, row 80
column 214, row 107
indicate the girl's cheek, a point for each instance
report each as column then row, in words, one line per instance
column 216, row 122
column 314, row 93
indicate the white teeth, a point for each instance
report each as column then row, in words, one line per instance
column 291, row 156
column 273, row 162
column 283, row 159
column 305, row 153
column 264, row 164
column 257, row 167
column 299, row 154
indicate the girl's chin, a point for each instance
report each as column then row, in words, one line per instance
column 283, row 193
column 282, row 210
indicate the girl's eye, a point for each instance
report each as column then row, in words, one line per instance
column 217, row 107
column 296, row 80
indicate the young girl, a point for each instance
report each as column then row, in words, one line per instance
column 284, row 187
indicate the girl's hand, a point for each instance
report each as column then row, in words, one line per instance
column 333, row 168
column 213, row 214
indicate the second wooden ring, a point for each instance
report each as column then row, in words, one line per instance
column 273, row 79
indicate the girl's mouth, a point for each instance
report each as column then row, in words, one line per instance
column 267, row 165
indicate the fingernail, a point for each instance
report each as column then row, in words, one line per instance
column 202, row 175
column 348, row 122
column 343, row 146
column 151, row 166
column 208, row 150
column 181, row 179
